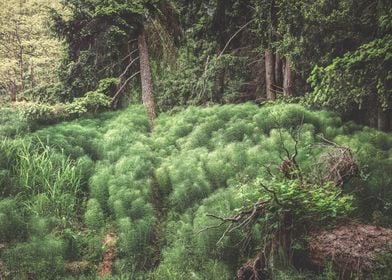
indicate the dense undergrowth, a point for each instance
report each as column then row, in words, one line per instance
column 63, row 187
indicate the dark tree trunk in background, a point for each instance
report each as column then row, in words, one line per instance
column 269, row 74
column 382, row 120
column 372, row 112
column 278, row 72
column 219, row 26
column 13, row 94
column 219, row 88
column 288, row 79
column 146, row 77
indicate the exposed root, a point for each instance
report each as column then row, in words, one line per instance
column 253, row 269
column 244, row 219
column 339, row 164
column 352, row 248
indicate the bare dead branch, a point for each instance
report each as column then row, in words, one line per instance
column 123, row 86
column 127, row 68
column 271, row 192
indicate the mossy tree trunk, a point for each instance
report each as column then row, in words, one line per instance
column 146, row 76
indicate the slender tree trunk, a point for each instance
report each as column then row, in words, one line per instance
column 219, row 87
column 13, row 91
column 278, row 72
column 382, row 120
column 372, row 112
column 218, row 26
column 269, row 74
column 146, row 77
column 288, row 79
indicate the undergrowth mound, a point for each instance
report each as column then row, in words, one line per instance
column 65, row 186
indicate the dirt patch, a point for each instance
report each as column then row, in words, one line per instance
column 78, row 267
column 110, row 241
column 352, row 248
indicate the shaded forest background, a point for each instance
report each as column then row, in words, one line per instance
column 333, row 54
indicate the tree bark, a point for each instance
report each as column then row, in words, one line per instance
column 269, row 75
column 13, row 91
column 278, row 72
column 219, row 87
column 218, row 26
column 288, row 79
column 146, row 77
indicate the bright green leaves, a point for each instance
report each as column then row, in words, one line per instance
column 310, row 204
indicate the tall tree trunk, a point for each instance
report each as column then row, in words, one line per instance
column 218, row 26
column 288, row 79
column 269, row 74
column 278, row 72
column 219, row 87
column 146, row 77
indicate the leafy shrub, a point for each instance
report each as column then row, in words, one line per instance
column 12, row 122
column 207, row 157
column 50, row 179
column 358, row 80
column 41, row 257
column 12, row 221
column 111, row 173
column 49, row 93
column 93, row 216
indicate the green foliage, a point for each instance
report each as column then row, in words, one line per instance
column 356, row 79
column 212, row 158
column 29, row 54
column 12, row 224
column 120, row 186
column 42, row 257
column 99, row 36
column 372, row 149
column 12, row 122
column 383, row 271
column 50, row 94
column 93, row 216
column 77, row 179
column 50, row 180
column 92, row 102
column 193, row 81
column 310, row 204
